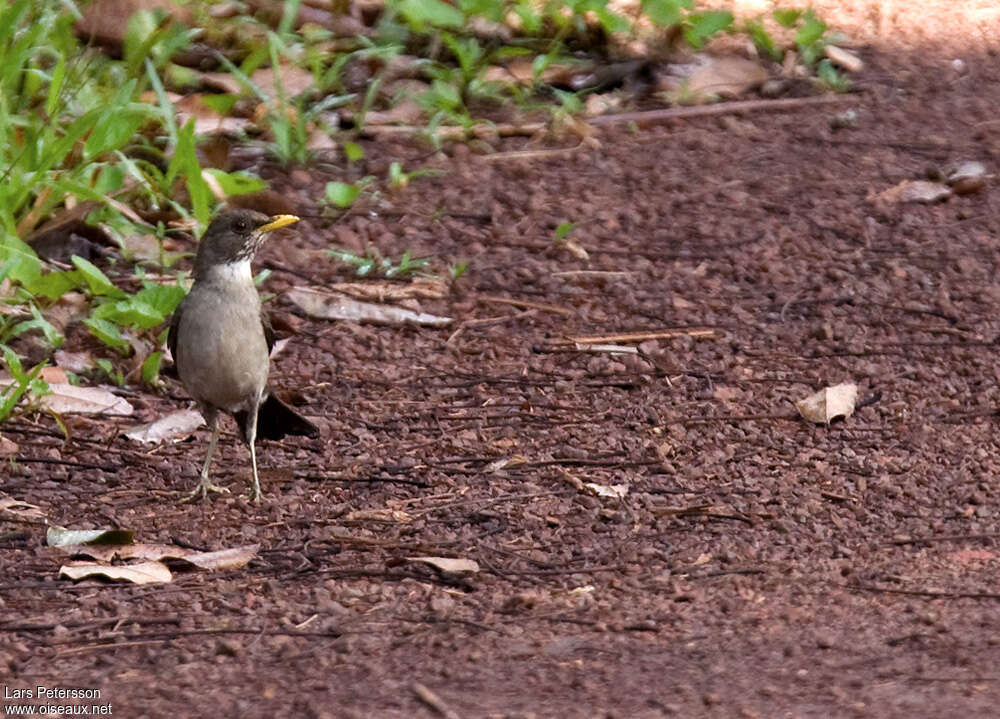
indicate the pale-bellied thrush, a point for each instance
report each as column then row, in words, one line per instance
column 221, row 340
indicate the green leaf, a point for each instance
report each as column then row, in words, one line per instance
column 490, row 9
column 700, row 26
column 131, row 312
column 353, row 151
column 562, row 230
column 342, row 194
column 107, row 332
column 421, row 13
column 531, row 21
column 762, row 40
column 397, row 177
column 118, row 122
column 831, row 77
column 787, row 17
column 237, row 183
column 55, row 284
column 162, row 298
column 811, row 30
column 97, row 282
column 53, row 336
column 446, row 95
column 11, row 395
column 19, row 262
column 222, row 103
column 666, row 13
column 611, row 21
column 185, row 162
column 151, row 368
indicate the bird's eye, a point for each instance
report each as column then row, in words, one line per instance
column 240, row 225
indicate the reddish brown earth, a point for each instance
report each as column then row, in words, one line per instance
column 758, row 566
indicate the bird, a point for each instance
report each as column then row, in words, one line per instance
column 221, row 341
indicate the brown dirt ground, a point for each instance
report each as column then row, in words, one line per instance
column 758, row 566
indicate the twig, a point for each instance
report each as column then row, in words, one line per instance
column 925, row 593
column 610, row 349
column 484, row 131
column 641, row 336
column 490, row 501
column 529, row 305
column 610, row 274
column 531, row 154
column 942, row 538
column 313, row 477
column 723, row 108
column 433, row 701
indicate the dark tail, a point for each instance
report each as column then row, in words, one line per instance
column 276, row 420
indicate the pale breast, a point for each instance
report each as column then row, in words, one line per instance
column 222, row 356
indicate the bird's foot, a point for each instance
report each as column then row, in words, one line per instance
column 202, row 490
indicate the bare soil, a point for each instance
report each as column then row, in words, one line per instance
column 757, row 567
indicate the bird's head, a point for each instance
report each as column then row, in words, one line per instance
column 234, row 237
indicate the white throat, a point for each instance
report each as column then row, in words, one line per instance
column 238, row 271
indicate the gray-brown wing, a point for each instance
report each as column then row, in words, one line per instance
column 172, row 331
column 265, row 323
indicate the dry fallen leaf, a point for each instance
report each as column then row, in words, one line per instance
column 142, row 573
column 70, row 399
column 614, row 491
column 19, row 510
column 57, row 536
column 922, row 191
column 175, row 427
column 78, row 362
column 8, row 447
column 970, row 556
column 726, row 77
column 448, row 565
column 829, row 403
column 325, row 305
column 379, row 515
column 965, row 178
column 379, row 291
column 845, row 58
column 232, row 558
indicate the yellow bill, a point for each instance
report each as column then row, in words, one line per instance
column 279, row 221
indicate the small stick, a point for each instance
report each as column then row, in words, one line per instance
column 613, row 349
column 457, row 132
column 723, row 108
column 618, row 274
column 433, row 701
column 529, row 305
column 640, row 336
column 530, row 154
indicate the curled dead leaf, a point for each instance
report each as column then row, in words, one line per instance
column 233, row 558
column 379, row 291
column 57, row 536
column 966, row 178
column 173, row 427
column 614, row 491
column 141, row 573
column 844, row 58
column 829, row 403
column 18, row 510
column 448, row 565
column 920, row 191
column 325, row 305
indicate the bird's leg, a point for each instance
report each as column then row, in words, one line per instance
column 250, row 432
column 204, row 486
